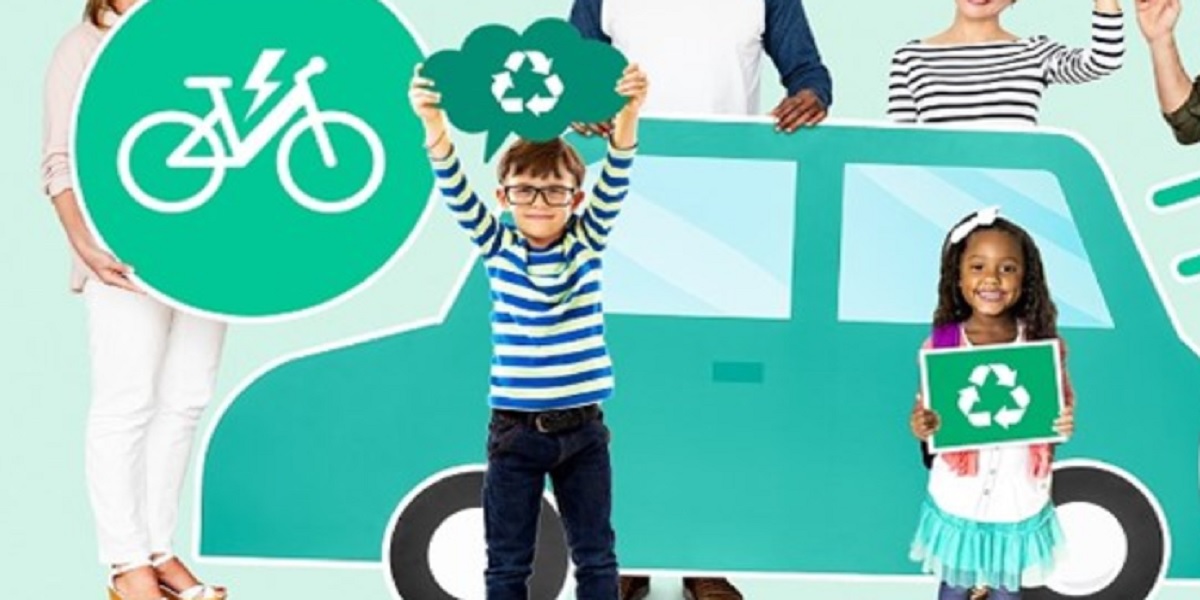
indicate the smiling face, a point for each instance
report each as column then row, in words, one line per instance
column 540, row 182
column 541, row 205
column 991, row 272
column 982, row 10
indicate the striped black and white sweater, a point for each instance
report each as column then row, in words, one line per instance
column 996, row 82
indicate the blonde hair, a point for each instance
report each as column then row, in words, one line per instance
column 94, row 11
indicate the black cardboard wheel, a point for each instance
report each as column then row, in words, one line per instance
column 1144, row 532
column 409, row 540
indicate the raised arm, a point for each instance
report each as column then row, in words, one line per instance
column 1104, row 55
column 604, row 203
column 1178, row 96
column 472, row 215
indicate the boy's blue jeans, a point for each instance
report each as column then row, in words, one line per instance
column 577, row 462
column 947, row 592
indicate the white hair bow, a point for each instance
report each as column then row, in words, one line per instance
column 983, row 217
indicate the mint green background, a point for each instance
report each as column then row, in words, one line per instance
column 46, row 530
column 251, row 250
column 951, row 372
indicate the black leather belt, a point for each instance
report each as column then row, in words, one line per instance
column 552, row 421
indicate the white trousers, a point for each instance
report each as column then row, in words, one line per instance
column 153, row 370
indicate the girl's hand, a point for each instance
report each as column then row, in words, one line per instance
column 1065, row 425
column 923, row 422
column 1157, row 18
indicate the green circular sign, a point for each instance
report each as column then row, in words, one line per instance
column 253, row 160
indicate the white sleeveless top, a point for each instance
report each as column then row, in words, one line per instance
column 1003, row 491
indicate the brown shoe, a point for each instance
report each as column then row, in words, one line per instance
column 634, row 588
column 705, row 588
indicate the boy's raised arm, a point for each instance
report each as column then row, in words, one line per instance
column 604, row 203
column 470, row 212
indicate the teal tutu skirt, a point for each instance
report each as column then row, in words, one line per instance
column 966, row 553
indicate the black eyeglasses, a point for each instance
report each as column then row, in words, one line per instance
column 525, row 195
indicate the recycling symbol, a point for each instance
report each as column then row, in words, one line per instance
column 502, row 83
column 1006, row 417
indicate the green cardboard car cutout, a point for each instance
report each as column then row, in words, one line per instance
column 766, row 297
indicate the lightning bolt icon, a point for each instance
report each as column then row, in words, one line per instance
column 259, row 78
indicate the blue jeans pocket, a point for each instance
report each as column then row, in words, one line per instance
column 501, row 433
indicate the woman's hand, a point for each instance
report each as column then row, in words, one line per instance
column 107, row 268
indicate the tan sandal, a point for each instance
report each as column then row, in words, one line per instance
column 200, row 591
column 119, row 570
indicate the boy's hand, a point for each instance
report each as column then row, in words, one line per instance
column 923, row 422
column 589, row 129
column 634, row 86
column 426, row 103
column 1065, row 425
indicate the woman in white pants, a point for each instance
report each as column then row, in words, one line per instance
column 152, row 368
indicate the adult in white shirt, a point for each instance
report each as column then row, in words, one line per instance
column 705, row 57
column 153, row 368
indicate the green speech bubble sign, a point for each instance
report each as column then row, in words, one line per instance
column 533, row 84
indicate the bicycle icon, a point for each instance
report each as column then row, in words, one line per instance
column 243, row 151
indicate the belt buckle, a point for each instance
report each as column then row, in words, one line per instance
column 556, row 421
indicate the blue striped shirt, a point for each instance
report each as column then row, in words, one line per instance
column 547, row 316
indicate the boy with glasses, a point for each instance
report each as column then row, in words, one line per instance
column 550, row 366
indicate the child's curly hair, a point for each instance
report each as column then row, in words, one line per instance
column 1035, row 308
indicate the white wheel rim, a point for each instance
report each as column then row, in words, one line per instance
column 458, row 555
column 129, row 182
column 374, row 179
column 1096, row 550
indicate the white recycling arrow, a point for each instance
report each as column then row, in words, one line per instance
column 501, row 83
column 555, row 85
column 968, row 397
column 541, row 64
column 514, row 61
column 1007, row 417
column 979, row 375
column 539, row 105
column 1005, row 375
column 1021, row 396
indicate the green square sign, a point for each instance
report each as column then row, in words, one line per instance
column 993, row 396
